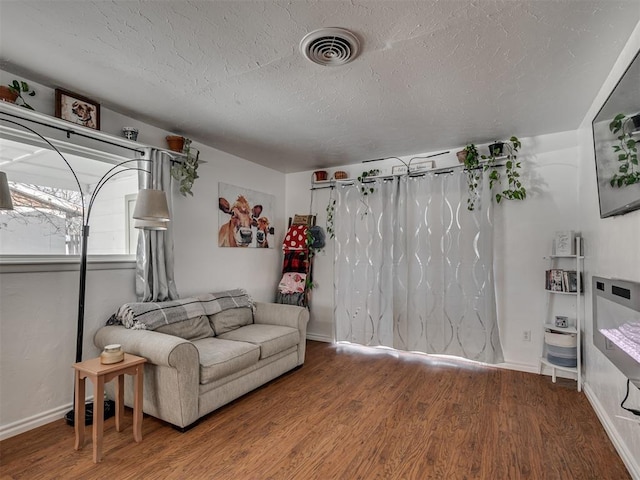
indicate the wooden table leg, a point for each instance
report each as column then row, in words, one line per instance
column 137, row 404
column 119, row 402
column 78, row 415
column 98, row 418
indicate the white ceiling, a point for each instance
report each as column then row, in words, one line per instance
column 432, row 74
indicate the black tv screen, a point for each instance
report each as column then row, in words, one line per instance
column 616, row 138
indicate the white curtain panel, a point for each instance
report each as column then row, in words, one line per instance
column 414, row 267
column 154, row 256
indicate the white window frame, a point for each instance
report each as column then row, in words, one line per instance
column 50, row 263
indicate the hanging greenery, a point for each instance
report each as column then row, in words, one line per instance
column 472, row 167
column 367, row 189
column 627, row 151
column 331, row 210
column 514, row 190
column 186, row 171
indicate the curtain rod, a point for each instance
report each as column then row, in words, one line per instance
column 435, row 171
column 70, row 132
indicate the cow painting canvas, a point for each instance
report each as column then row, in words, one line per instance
column 245, row 217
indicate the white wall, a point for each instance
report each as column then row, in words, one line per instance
column 524, row 233
column 611, row 251
column 38, row 309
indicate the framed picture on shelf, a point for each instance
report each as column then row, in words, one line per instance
column 77, row 109
column 563, row 243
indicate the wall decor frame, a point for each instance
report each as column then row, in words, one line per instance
column 616, row 137
column 77, row 109
column 245, row 217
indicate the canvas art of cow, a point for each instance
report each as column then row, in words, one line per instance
column 238, row 231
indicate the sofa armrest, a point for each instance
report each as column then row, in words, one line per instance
column 286, row 316
column 171, row 374
column 158, row 348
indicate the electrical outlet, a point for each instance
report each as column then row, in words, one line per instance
column 526, row 335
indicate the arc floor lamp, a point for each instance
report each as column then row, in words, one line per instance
column 151, row 212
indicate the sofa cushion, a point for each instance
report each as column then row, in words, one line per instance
column 228, row 320
column 219, row 358
column 272, row 339
column 190, row 329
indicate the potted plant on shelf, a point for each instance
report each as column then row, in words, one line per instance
column 496, row 149
column 8, row 94
column 185, row 171
column 13, row 92
column 320, row 175
column 175, row 142
column 514, row 190
column 626, row 149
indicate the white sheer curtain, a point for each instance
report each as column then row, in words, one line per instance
column 154, row 256
column 414, row 267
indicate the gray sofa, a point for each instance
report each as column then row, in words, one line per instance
column 200, row 363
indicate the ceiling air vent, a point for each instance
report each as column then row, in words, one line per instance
column 330, row 46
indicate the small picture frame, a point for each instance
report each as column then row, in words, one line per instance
column 562, row 321
column 564, row 243
column 77, row 109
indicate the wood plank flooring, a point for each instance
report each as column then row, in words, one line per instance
column 351, row 415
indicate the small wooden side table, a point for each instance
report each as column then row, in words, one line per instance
column 100, row 374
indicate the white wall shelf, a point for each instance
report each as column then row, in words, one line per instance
column 565, row 308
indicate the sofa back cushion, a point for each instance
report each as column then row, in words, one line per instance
column 189, row 329
column 227, row 320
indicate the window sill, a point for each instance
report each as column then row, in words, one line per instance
column 63, row 263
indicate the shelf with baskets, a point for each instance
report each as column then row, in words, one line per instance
column 562, row 349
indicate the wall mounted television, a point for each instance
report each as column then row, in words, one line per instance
column 616, row 129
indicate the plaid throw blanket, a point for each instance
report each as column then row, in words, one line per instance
column 149, row 315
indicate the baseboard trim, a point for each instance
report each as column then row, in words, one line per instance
column 29, row 423
column 612, row 432
column 319, row 338
column 518, row 367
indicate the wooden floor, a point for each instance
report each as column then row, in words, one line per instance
column 352, row 415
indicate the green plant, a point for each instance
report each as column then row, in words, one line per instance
column 515, row 190
column 364, row 189
column 20, row 88
column 627, row 150
column 472, row 166
column 331, row 210
column 186, row 170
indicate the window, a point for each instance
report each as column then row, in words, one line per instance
column 47, row 215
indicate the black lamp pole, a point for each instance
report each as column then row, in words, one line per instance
column 86, row 213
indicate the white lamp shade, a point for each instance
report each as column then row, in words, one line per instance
column 150, row 224
column 5, row 193
column 151, row 205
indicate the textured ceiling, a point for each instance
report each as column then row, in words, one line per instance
column 431, row 74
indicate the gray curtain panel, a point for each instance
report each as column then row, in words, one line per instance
column 154, row 257
column 414, row 267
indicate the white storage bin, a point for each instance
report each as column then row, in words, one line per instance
column 561, row 339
